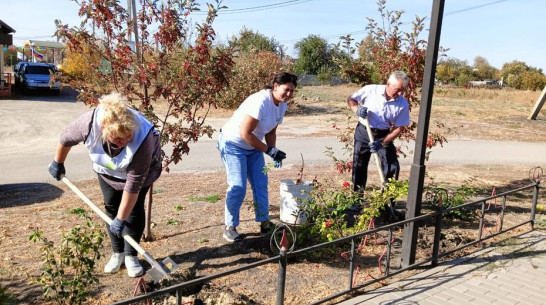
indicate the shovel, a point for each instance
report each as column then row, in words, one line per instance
column 159, row 269
column 364, row 121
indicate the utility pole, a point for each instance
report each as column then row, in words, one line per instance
column 417, row 172
column 131, row 9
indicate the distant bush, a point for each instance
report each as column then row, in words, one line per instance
column 251, row 72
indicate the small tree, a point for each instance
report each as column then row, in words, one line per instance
column 483, row 69
column 519, row 75
column 252, row 70
column 393, row 49
column 68, row 270
column 172, row 81
column 453, row 71
column 249, row 40
column 359, row 70
column 312, row 55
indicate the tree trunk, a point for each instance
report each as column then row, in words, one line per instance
column 147, row 236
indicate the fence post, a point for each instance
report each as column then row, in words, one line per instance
column 437, row 237
column 482, row 220
column 351, row 264
column 388, row 259
column 281, row 281
column 534, row 206
column 502, row 213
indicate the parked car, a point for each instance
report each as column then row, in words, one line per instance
column 34, row 76
column 17, row 70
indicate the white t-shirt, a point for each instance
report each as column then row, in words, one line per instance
column 259, row 106
column 383, row 113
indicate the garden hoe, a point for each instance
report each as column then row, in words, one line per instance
column 159, row 269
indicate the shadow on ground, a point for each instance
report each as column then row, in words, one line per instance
column 67, row 95
column 20, row 194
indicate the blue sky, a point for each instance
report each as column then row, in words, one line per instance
column 499, row 30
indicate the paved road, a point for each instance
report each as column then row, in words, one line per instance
column 29, row 131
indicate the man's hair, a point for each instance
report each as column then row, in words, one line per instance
column 399, row 76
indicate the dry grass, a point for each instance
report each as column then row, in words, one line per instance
column 506, row 94
column 495, row 115
column 456, row 112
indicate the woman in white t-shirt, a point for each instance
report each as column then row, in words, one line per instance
column 241, row 148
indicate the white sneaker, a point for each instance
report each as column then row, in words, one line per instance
column 133, row 266
column 114, row 263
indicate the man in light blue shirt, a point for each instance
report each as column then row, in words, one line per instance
column 388, row 114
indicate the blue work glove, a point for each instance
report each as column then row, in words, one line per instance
column 375, row 145
column 277, row 155
column 278, row 164
column 362, row 112
column 116, row 227
column 57, row 170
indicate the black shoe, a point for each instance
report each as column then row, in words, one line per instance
column 266, row 228
column 357, row 207
column 399, row 215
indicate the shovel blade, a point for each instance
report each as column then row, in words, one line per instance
column 159, row 271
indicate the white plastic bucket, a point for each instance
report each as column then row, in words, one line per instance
column 292, row 199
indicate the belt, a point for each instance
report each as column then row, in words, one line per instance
column 377, row 130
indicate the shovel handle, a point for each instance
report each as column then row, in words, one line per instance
column 105, row 217
column 365, row 122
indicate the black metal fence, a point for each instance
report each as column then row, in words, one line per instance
column 435, row 218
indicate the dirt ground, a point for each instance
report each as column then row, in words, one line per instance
column 188, row 228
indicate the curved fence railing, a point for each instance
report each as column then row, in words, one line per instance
column 482, row 206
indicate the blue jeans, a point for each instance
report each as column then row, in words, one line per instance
column 241, row 165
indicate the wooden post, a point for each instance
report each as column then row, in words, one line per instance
column 538, row 105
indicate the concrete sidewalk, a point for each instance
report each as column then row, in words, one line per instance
column 510, row 273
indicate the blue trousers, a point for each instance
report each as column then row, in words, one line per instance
column 242, row 165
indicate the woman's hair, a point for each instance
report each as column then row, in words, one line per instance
column 118, row 121
column 283, row 78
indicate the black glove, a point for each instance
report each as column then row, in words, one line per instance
column 116, row 227
column 362, row 112
column 56, row 170
column 375, row 145
column 277, row 155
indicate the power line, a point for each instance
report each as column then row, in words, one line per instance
column 450, row 13
column 474, row 7
column 257, row 8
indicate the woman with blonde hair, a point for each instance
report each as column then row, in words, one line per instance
column 126, row 154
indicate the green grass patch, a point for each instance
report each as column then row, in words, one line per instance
column 211, row 199
column 157, row 191
column 172, row 222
